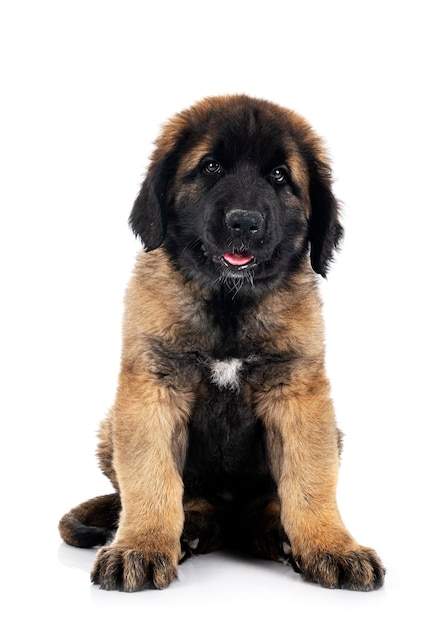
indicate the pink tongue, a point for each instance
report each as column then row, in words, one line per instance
column 237, row 259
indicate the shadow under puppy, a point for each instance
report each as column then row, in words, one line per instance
column 223, row 432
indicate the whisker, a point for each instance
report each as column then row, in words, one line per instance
column 190, row 246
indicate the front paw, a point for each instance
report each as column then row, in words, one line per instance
column 127, row 569
column 358, row 570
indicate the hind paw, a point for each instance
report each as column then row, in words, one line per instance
column 203, row 528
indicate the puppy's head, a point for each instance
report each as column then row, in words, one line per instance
column 239, row 192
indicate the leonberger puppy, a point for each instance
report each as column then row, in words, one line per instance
column 222, row 434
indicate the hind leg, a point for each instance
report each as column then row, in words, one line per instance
column 204, row 527
column 260, row 531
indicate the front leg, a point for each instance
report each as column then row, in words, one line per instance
column 302, row 441
column 149, row 435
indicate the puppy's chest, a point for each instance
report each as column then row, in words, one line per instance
column 220, row 359
column 210, row 373
column 229, row 373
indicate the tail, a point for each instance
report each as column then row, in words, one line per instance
column 92, row 523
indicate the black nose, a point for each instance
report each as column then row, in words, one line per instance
column 245, row 223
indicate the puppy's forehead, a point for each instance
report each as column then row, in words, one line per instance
column 243, row 134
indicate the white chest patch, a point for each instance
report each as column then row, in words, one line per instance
column 226, row 373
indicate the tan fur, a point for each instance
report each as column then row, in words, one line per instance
column 152, row 513
column 297, row 412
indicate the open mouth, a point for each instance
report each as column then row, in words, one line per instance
column 236, row 260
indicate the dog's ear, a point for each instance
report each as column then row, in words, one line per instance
column 148, row 217
column 325, row 230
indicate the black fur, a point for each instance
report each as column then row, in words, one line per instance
column 149, row 214
column 325, row 230
column 247, row 147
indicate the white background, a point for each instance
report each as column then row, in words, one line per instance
column 85, row 86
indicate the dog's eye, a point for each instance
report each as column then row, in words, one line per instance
column 211, row 166
column 278, row 175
